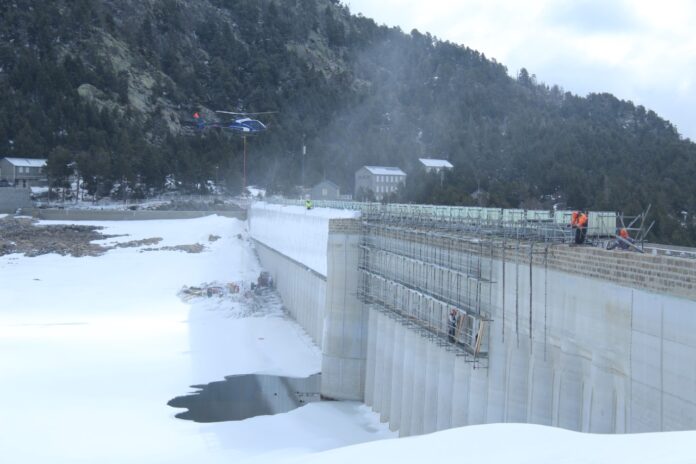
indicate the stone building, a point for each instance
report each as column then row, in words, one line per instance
column 380, row 180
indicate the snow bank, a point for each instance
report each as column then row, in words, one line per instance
column 520, row 444
column 296, row 232
column 92, row 348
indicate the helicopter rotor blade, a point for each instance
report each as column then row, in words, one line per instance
column 245, row 114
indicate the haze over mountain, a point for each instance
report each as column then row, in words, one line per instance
column 638, row 50
column 111, row 83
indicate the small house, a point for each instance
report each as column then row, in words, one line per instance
column 325, row 190
column 380, row 180
column 435, row 165
column 23, row 172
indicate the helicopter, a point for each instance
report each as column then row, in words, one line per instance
column 242, row 123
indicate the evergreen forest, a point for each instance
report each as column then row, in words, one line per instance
column 110, row 86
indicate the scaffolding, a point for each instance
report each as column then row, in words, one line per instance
column 429, row 279
column 436, row 275
column 431, row 268
column 535, row 225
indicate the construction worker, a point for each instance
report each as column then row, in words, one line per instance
column 581, row 228
column 308, row 204
column 623, row 240
column 452, row 325
column 574, row 223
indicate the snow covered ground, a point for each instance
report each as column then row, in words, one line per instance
column 305, row 233
column 520, row 444
column 91, row 350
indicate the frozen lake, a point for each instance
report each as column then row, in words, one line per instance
column 93, row 348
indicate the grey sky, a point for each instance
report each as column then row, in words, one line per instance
column 638, row 50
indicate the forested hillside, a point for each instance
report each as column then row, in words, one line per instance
column 111, row 84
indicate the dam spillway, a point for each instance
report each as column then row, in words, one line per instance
column 576, row 337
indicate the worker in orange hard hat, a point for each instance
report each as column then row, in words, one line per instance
column 581, row 228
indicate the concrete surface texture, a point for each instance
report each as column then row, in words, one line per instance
column 12, row 199
column 302, row 289
column 565, row 349
column 345, row 319
column 579, row 338
column 315, row 270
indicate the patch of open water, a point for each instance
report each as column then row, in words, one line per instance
column 240, row 397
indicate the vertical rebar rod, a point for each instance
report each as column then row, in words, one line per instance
column 531, row 265
column 503, row 279
column 517, row 293
column 546, row 293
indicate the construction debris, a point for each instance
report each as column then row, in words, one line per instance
column 241, row 299
column 211, row 289
column 220, row 290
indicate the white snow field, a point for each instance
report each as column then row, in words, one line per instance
column 519, row 444
column 91, row 350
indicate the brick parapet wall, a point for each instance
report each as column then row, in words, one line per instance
column 345, row 226
column 675, row 276
column 664, row 274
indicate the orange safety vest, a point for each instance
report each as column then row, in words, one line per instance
column 582, row 220
column 574, row 218
column 623, row 233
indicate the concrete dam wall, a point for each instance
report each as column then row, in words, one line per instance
column 575, row 337
column 313, row 258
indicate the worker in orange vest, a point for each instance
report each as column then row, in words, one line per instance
column 581, row 228
column 574, row 223
column 625, row 244
column 623, row 240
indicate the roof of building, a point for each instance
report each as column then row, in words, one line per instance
column 27, row 162
column 435, row 163
column 327, row 182
column 385, row 170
